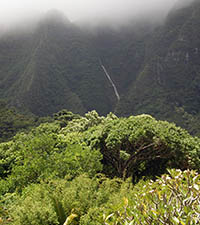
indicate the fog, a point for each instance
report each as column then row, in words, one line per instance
column 16, row 11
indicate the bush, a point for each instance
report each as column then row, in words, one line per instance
column 55, row 201
column 172, row 199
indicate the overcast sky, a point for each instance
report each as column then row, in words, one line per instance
column 16, row 10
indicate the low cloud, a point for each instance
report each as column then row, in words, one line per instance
column 14, row 11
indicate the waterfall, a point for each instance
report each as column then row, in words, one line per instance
column 110, row 80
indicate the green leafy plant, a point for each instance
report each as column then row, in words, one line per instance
column 172, row 199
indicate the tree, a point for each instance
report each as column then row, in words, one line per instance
column 140, row 145
column 81, row 124
column 65, row 116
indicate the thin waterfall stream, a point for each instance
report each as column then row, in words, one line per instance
column 110, row 80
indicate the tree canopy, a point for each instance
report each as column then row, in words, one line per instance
column 74, row 168
column 141, row 144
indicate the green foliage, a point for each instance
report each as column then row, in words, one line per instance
column 62, row 200
column 34, row 207
column 171, row 199
column 44, row 154
column 50, row 175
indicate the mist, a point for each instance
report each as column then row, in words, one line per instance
column 23, row 11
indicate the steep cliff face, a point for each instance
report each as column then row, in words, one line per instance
column 170, row 77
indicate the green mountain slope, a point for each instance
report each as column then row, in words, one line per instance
column 54, row 67
column 155, row 68
column 169, row 81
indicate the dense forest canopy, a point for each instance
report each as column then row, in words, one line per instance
column 89, row 170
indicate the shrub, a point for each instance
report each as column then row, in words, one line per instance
column 172, row 199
